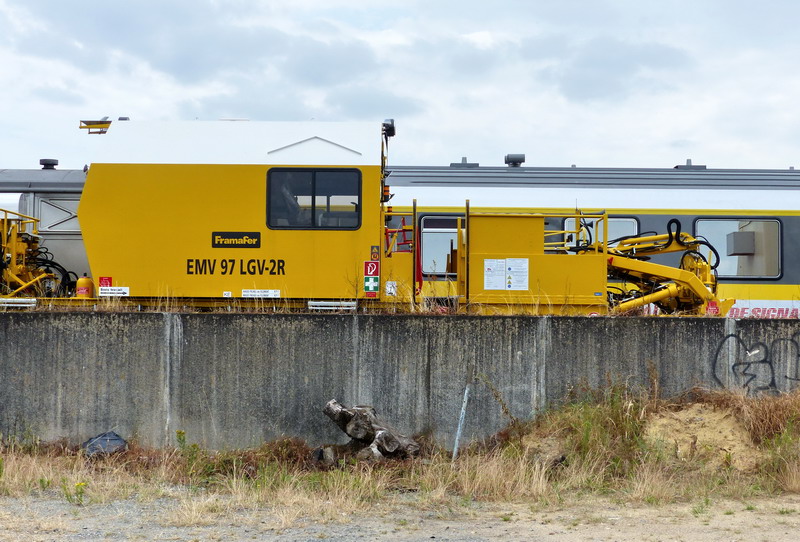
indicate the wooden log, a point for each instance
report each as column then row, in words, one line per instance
column 371, row 438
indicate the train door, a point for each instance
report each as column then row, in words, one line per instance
column 326, row 222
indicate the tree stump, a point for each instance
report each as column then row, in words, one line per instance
column 372, row 439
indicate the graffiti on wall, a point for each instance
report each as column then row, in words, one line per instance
column 758, row 367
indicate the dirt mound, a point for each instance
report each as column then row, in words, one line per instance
column 701, row 432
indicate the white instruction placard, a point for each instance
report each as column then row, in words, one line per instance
column 494, row 274
column 505, row 274
column 516, row 273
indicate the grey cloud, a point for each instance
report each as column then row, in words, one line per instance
column 608, row 69
column 192, row 42
column 192, row 56
column 59, row 95
column 368, row 103
column 513, row 13
column 544, row 47
column 52, row 45
column 741, row 24
column 280, row 102
column 467, row 60
column 252, row 101
column 323, row 64
column 457, row 58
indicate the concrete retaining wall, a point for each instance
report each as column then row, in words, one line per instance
column 236, row 380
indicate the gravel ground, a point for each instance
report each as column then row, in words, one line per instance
column 775, row 519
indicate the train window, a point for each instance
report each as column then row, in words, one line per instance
column 328, row 199
column 439, row 233
column 618, row 228
column 747, row 247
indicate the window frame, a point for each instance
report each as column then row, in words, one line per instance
column 431, row 217
column 723, row 250
column 314, row 171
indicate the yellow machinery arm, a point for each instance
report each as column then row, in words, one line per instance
column 21, row 272
column 688, row 289
column 672, row 289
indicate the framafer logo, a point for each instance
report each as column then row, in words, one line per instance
column 236, row 239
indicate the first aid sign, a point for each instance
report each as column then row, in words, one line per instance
column 372, row 281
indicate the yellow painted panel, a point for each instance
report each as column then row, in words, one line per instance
column 553, row 279
column 149, row 228
column 397, row 270
column 508, row 267
column 502, row 234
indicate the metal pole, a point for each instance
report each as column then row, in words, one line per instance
column 466, row 256
column 463, row 416
column 414, row 248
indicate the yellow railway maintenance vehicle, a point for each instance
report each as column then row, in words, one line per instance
column 295, row 215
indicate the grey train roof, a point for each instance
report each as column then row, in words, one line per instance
column 678, row 177
column 72, row 180
column 42, row 180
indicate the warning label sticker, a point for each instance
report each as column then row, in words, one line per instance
column 516, row 273
column 372, row 269
column 268, row 294
column 114, row 291
column 505, row 274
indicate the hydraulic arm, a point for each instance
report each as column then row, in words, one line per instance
column 26, row 268
column 689, row 288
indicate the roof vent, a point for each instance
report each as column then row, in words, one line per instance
column 48, row 163
column 464, row 163
column 689, row 165
column 515, row 160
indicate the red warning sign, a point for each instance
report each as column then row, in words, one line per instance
column 105, row 281
column 372, row 269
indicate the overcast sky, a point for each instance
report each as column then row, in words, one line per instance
column 636, row 83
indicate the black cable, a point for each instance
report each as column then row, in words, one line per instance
column 626, row 237
column 713, row 250
column 65, row 285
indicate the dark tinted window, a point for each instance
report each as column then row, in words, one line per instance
column 327, row 199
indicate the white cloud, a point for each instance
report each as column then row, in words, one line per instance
column 601, row 83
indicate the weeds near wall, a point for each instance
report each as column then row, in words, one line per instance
column 594, row 443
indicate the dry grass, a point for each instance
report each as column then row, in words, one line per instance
column 597, row 436
column 789, row 477
column 764, row 417
column 497, row 477
column 651, row 482
column 195, row 510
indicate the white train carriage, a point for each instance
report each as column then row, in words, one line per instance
column 752, row 217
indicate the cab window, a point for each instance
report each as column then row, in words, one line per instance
column 327, row 199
